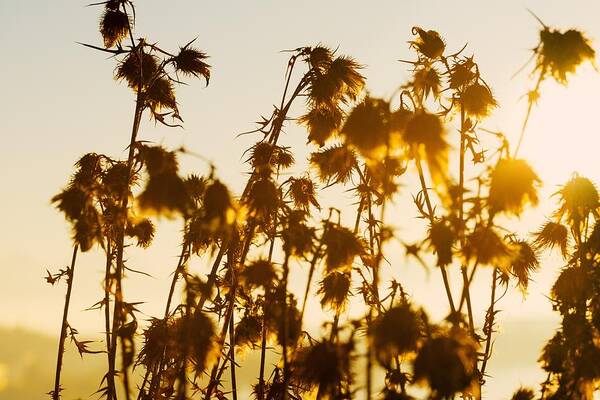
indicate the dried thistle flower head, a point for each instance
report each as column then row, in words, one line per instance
column 114, row 26
column 196, row 187
column 263, row 200
column 157, row 342
column 324, row 364
column 320, row 57
column 160, row 96
column 142, row 231
column 303, row 194
column 323, row 122
column 367, row 127
column 578, row 198
column 116, row 179
column 523, row 394
column 448, row 363
column 264, row 156
column 87, row 231
column 572, row 287
column 77, row 203
column 195, row 337
column 72, row 201
column 462, row 73
column 524, row 262
column 484, row 246
column 441, row 239
column 334, row 82
column 88, row 169
column 260, row 273
column 513, row 185
column 396, row 332
column 248, row 331
column 165, row 192
column 477, row 100
column 554, row 354
column 334, row 290
column 276, row 301
column 383, row 174
column 218, row 203
column 550, row 235
column 334, row 164
column 190, row 61
column 297, row 236
column 426, row 81
column 341, row 247
column 135, row 75
column 398, row 122
column 560, row 53
column 425, row 134
column 428, row 43
column 216, row 218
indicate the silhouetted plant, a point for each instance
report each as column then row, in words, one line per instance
column 254, row 242
column 557, row 55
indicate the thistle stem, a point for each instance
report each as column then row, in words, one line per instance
column 232, row 357
column 65, row 324
column 461, row 182
column 263, row 351
column 183, row 258
column 431, row 219
column 284, row 339
column 107, row 285
column 489, row 325
column 117, row 310
column 530, row 103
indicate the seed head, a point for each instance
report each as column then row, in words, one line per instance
column 428, row 43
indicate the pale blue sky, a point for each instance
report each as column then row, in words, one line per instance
column 58, row 101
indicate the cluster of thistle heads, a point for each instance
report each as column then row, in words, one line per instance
column 276, row 227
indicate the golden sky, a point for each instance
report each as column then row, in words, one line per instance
column 58, row 101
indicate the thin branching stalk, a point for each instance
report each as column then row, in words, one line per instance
column 215, row 375
column 530, row 103
column 313, row 263
column 183, row 258
column 284, row 340
column 425, row 191
column 64, row 326
column 263, row 353
column 461, row 182
column 117, row 311
column 107, row 286
column 232, row 339
column 489, row 324
column 263, row 344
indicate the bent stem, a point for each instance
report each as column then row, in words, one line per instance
column 63, row 329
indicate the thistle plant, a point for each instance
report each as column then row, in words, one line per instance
column 557, row 55
column 99, row 201
column 253, row 243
